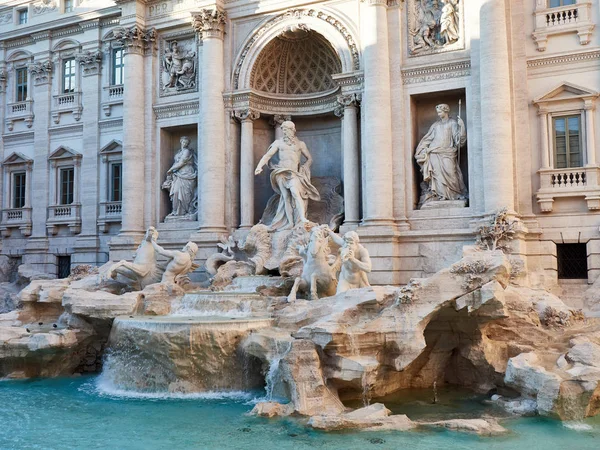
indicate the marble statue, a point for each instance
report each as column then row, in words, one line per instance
column 437, row 156
column 227, row 253
column 143, row 271
column 181, row 181
column 179, row 67
column 180, row 263
column 289, row 178
column 354, row 261
column 449, row 21
column 318, row 275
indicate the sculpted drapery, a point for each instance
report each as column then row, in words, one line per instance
column 182, row 178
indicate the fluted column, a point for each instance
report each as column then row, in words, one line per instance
column 348, row 111
column 210, row 26
column 496, row 126
column 247, row 118
column 377, row 113
column 135, row 41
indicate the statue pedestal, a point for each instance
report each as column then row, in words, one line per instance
column 444, row 204
column 179, row 219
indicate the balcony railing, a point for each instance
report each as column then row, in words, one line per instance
column 69, row 102
column 110, row 212
column 16, row 218
column 19, row 111
column 113, row 96
column 563, row 19
column 69, row 215
column 572, row 182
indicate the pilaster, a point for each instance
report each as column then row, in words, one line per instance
column 247, row 118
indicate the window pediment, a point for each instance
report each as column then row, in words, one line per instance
column 17, row 158
column 566, row 91
column 114, row 146
column 64, row 153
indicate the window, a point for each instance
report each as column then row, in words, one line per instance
column 69, row 6
column 116, row 182
column 567, row 141
column 64, row 266
column 18, row 198
column 572, row 261
column 21, row 86
column 67, row 181
column 556, row 3
column 68, row 79
column 22, row 16
column 118, row 65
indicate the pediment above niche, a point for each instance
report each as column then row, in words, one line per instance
column 17, row 158
column 114, row 146
column 62, row 153
column 566, row 91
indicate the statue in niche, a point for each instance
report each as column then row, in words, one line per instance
column 353, row 261
column 290, row 178
column 180, row 264
column 181, row 182
column 433, row 25
column 437, row 156
column 180, row 68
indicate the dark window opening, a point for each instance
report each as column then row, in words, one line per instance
column 116, row 182
column 67, row 188
column 68, row 84
column 572, row 261
column 19, row 190
column 21, row 84
column 118, row 66
column 64, row 266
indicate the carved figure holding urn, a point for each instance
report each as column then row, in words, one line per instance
column 289, row 178
column 437, row 155
column 181, row 181
column 354, row 262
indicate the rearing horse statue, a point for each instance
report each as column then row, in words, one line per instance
column 318, row 276
column 143, row 270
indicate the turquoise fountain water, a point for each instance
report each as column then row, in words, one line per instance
column 78, row 413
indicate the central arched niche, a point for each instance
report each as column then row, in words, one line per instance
column 298, row 64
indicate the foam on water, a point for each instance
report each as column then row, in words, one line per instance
column 577, row 426
column 104, row 388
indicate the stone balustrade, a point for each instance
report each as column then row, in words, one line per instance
column 572, row 182
column 575, row 18
column 69, row 215
column 113, row 95
column 19, row 111
column 67, row 103
column 15, row 218
column 110, row 212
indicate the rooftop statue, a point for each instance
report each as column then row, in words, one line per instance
column 437, row 155
column 354, row 262
column 181, row 181
column 289, row 178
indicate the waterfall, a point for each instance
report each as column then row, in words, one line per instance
column 273, row 374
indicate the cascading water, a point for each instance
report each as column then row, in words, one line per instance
column 273, row 375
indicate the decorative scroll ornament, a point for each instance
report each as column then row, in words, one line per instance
column 6, row 18
column 90, row 62
column 246, row 114
column 44, row 6
column 434, row 26
column 135, row 39
column 209, row 23
column 41, row 72
column 346, row 100
column 3, row 78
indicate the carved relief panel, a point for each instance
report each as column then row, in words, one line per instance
column 435, row 26
column 179, row 64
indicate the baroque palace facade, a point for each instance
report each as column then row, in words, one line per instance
column 96, row 96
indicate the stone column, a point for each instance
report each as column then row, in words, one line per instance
column 3, row 80
column 544, row 139
column 210, row 26
column 377, row 113
column 86, row 246
column 496, row 114
column 247, row 118
column 590, row 142
column 135, row 41
column 348, row 111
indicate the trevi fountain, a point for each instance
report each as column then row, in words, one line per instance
column 268, row 303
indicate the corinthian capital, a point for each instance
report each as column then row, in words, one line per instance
column 209, row 23
column 40, row 72
column 349, row 99
column 90, row 62
column 246, row 114
column 135, row 39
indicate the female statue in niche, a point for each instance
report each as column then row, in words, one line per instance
column 181, row 181
column 437, row 155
